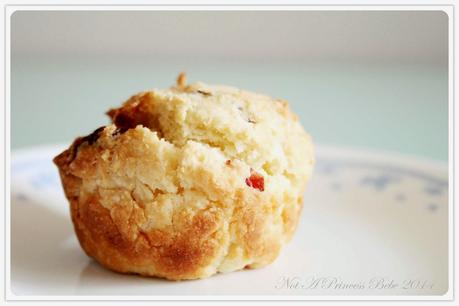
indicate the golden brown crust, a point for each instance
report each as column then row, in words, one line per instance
column 157, row 195
column 173, row 255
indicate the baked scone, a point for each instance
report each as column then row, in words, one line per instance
column 188, row 182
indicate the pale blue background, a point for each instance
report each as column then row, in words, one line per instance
column 368, row 79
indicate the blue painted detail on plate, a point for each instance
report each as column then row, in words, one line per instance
column 400, row 197
column 334, row 165
column 379, row 182
column 21, row 197
column 434, row 190
column 432, row 207
column 388, row 175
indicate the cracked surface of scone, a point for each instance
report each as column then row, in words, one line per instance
column 189, row 181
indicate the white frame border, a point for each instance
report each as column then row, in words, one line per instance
column 9, row 11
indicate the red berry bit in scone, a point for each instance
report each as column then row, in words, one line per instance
column 255, row 180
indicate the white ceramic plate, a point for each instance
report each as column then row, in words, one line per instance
column 372, row 224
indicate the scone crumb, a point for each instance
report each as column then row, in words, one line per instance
column 181, row 79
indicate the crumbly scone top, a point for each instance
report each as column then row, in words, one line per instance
column 253, row 128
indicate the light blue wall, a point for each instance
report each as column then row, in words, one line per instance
column 395, row 108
